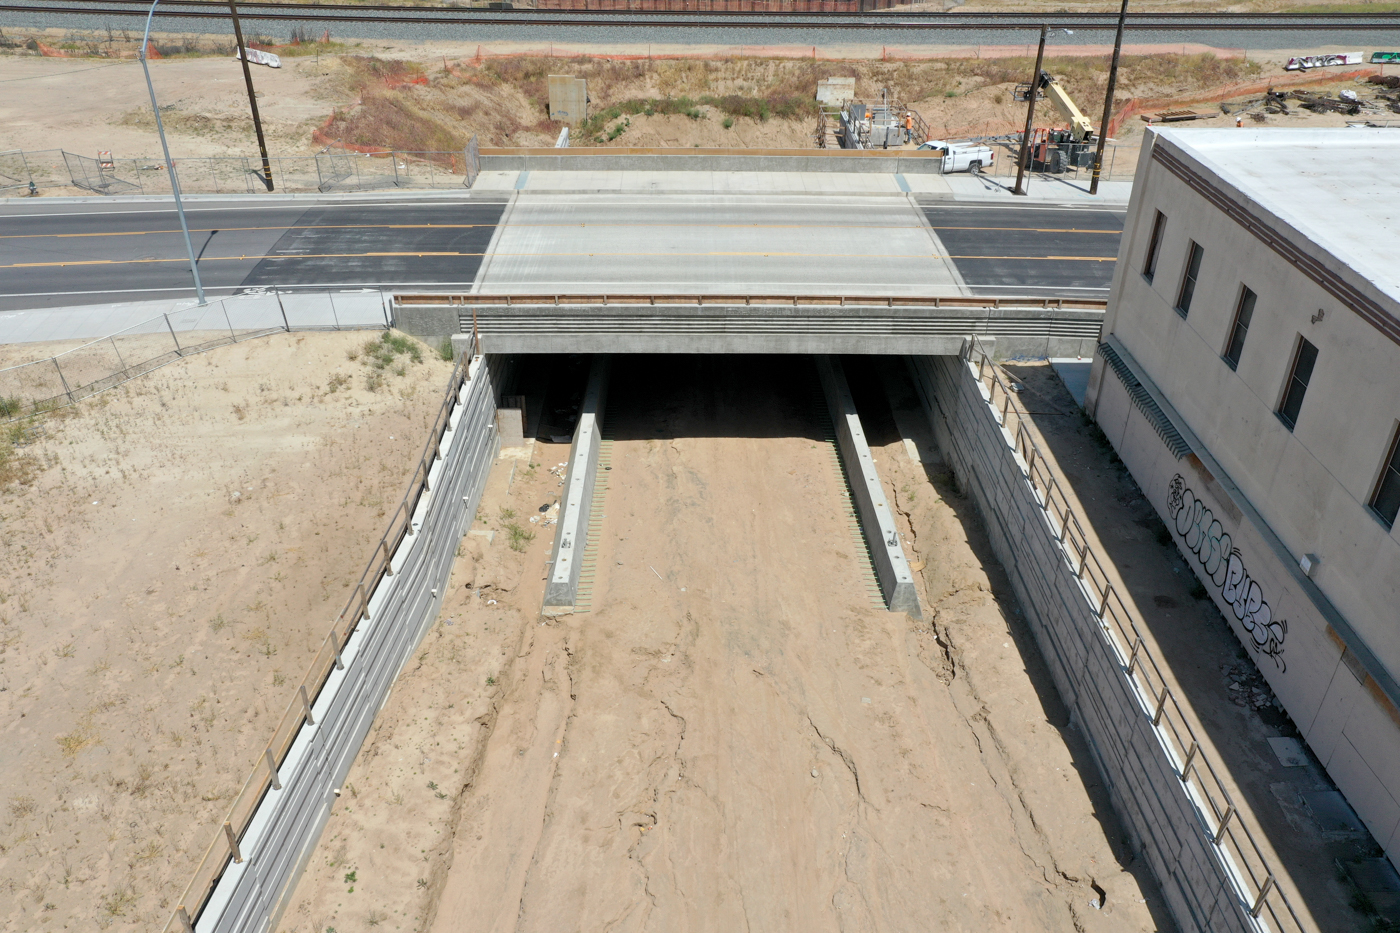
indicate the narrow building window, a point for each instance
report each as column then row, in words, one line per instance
column 1298, row 378
column 1243, row 315
column 1153, row 245
column 1386, row 502
column 1188, row 284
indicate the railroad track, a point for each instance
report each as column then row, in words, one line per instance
column 875, row 20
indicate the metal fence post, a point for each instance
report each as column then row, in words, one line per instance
column 335, row 646
column 228, row 320
column 272, row 766
column 66, row 391
column 122, row 362
column 232, row 843
column 306, row 706
column 172, row 334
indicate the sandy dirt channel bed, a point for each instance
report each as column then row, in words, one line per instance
column 736, row 736
column 168, row 572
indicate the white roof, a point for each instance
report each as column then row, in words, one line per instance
column 1338, row 186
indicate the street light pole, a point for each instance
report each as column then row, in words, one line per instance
column 1108, row 99
column 253, row 98
column 169, row 163
column 1030, row 114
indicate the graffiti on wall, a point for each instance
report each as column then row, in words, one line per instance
column 1206, row 538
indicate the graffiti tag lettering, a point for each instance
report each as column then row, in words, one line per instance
column 1210, row 542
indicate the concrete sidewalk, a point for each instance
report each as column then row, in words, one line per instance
column 299, row 310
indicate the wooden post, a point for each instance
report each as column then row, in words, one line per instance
column 335, row 647
column 1030, row 115
column 183, row 916
column 1108, row 100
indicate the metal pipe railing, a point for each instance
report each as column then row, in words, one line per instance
column 1226, row 826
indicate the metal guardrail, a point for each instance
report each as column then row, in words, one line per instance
column 1227, row 828
column 797, row 301
column 224, row 850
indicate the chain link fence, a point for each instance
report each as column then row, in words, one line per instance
column 86, row 368
column 332, row 169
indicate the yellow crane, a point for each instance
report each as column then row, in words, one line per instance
column 1081, row 130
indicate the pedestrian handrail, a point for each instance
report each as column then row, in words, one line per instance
column 1226, row 826
column 224, row 847
column 844, row 301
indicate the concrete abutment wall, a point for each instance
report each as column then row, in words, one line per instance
column 1146, row 790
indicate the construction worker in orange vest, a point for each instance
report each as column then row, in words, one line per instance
column 908, row 126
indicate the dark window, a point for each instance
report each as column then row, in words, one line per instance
column 1153, row 245
column 1298, row 378
column 1243, row 315
column 1188, row 284
column 1386, row 502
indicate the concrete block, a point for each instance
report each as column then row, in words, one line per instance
column 577, row 501
column 426, row 320
column 568, row 99
column 876, row 519
column 510, row 421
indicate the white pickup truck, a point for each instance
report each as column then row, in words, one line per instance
column 961, row 157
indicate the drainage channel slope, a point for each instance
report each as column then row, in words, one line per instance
column 735, row 736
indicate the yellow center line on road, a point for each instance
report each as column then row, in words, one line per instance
column 111, row 233
column 1044, row 258
column 420, row 255
column 60, row 236
column 937, row 227
column 124, row 262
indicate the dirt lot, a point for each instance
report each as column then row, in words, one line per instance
column 435, row 96
column 174, row 550
column 736, row 736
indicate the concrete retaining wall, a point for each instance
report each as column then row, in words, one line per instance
column 1147, row 794
column 876, row 519
column 287, row 825
column 577, row 502
column 887, row 162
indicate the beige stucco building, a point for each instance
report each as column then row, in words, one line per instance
column 1249, row 377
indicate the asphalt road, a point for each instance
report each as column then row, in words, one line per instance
column 1034, row 251
column 96, row 253
column 74, row 254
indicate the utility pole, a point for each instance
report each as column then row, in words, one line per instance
column 169, row 163
column 1030, row 114
column 1108, row 100
column 253, row 97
